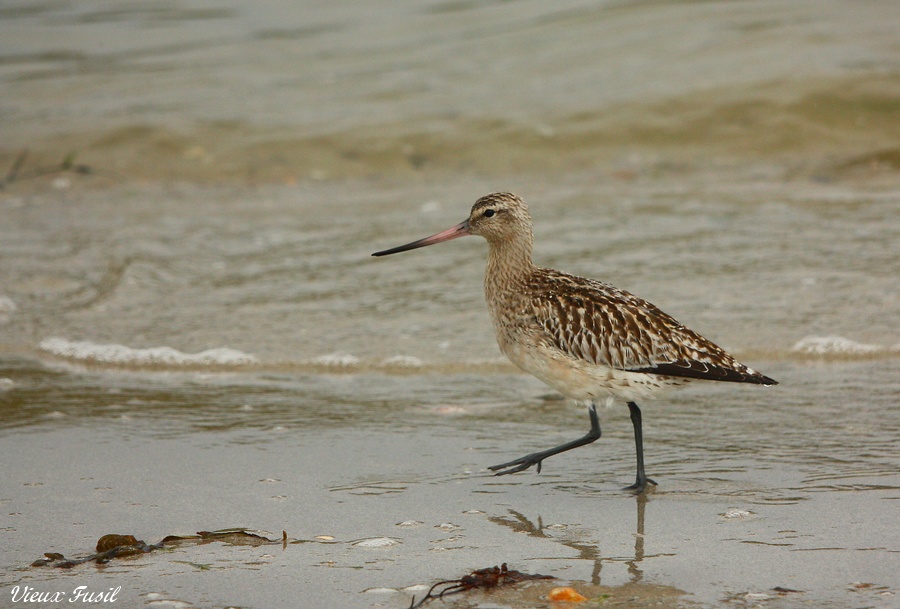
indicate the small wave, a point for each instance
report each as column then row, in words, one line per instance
column 121, row 355
column 344, row 363
column 335, row 360
column 837, row 345
column 403, row 361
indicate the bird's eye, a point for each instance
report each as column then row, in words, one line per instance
column 489, row 213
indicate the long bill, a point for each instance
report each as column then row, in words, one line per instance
column 460, row 230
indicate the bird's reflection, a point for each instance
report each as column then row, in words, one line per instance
column 634, row 564
column 521, row 524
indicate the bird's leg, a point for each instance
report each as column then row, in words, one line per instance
column 535, row 458
column 640, row 483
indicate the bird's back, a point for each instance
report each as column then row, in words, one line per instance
column 562, row 324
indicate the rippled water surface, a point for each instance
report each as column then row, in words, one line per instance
column 194, row 336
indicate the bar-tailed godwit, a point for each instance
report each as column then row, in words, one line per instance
column 587, row 339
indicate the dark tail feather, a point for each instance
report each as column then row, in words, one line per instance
column 709, row 372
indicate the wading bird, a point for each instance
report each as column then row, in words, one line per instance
column 587, row 339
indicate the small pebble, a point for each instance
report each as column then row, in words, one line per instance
column 380, row 590
column 736, row 513
column 377, row 542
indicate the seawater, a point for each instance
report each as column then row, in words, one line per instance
column 735, row 164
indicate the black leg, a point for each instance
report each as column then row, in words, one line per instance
column 535, row 458
column 640, row 483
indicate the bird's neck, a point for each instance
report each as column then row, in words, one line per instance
column 509, row 265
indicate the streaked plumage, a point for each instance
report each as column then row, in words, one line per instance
column 585, row 338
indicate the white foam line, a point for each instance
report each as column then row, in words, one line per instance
column 120, row 354
column 837, row 345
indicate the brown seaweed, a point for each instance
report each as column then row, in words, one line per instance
column 116, row 546
column 481, row 579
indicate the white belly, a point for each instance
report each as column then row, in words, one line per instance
column 582, row 380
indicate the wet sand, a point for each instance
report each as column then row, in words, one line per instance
column 765, row 498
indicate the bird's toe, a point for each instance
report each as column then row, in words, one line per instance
column 518, row 465
column 640, row 486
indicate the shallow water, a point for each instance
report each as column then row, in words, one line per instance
column 193, row 334
column 408, row 88
column 283, row 274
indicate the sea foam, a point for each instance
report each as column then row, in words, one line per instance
column 87, row 351
column 403, row 361
column 336, row 360
column 835, row 345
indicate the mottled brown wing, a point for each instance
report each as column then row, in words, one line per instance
column 604, row 325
